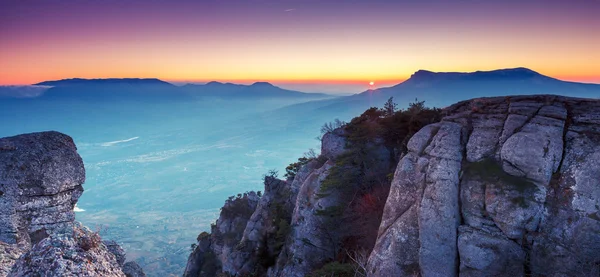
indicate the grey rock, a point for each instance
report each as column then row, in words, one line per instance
column 114, row 248
column 9, row 254
column 309, row 240
column 80, row 254
column 40, row 179
column 262, row 227
column 223, row 244
column 198, row 256
column 132, row 269
column 420, row 220
column 485, row 254
column 527, row 192
column 333, row 144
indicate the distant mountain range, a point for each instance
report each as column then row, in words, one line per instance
column 436, row 88
column 149, row 89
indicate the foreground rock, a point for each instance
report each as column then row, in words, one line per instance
column 82, row 254
column 503, row 186
column 41, row 177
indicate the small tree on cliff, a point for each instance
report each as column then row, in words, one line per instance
column 389, row 108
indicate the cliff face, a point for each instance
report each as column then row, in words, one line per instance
column 282, row 237
column 41, row 177
column 505, row 186
column 502, row 186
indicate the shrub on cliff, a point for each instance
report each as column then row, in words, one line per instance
column 361, row 175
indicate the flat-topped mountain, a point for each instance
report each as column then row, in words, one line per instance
column 441, row 89
column 444, row 88
column 109, row 81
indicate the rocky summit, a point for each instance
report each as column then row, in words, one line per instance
column 41, row 178
column 504, row 186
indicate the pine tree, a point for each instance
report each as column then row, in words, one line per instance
column 389, row 108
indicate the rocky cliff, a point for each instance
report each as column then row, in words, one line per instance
column 505, row 186
column 41, row 177
column 274, row 240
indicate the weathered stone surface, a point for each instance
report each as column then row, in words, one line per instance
column 528, row 193
column 40, row 180
column 396, row 252
column 262, row 227
column 333, row 144
column 230, row 226
column 420, row 226
column 485, row 254
column 81, row 254
column 9, row 254
column 41, row 177
column 132, row 269
column 504, row 186
column 198, row 256
column 308, row 242
column 114, row 248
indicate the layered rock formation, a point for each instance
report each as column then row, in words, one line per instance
column 282, row 236
column 505, row 186
column 41, row 177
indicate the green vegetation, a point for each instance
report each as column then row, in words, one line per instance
column 334, row 269
column 491, row 171
column 292, row 169
column 361, row 178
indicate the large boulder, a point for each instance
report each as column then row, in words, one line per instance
column 40, row 181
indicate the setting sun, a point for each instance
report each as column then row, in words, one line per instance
column 371, row 83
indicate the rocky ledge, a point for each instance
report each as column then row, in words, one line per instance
column 41, row 177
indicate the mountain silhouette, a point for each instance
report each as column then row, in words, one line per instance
column 440, row 89
column 136, row 89
column 258, row 89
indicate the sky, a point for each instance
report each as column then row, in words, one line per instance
column 310, row 43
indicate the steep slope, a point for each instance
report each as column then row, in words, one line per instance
column 41, row 177
column 504, row 186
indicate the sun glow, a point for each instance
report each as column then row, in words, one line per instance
column 371, row 83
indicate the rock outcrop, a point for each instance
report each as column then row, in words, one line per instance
column 81, row 254
column 504, row 186
column 274, row 240
column 41, row 177
column 216, row 252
